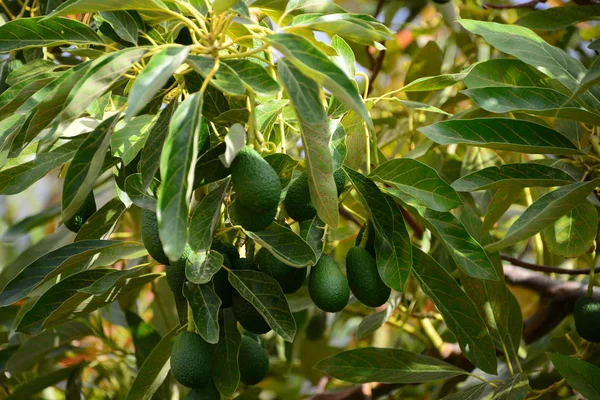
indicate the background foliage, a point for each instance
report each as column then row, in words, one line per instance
column 464, row 143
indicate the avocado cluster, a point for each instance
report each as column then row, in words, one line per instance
column 257, row 188
column 587, row 319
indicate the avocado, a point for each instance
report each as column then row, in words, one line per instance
column 364, row 279
column 208, row 391
column 252, row 221
column 587, row 319
column 248, row 316
column 151, row 238
column 245, row 263
column 327, row 285
column 253, row 361
column 297, row 202
column 370, row 245
column 88, row 208
column 227, row 249
column 191, row 359
column 255, row 182
column 317, row 325
column 289, row 278
column 221, row 284
column 176, row 279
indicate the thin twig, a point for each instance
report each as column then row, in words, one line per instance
column 544, row 268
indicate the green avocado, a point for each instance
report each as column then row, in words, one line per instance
column 176, row 279
column 151, row 238
column 255, row 182
column 364, row 279
column 227, row 249
column 587, row 319
column 327, row 285
column 317, row 325
column 297, row 202
column 253, row 361
column 370, row 245
column 289, row 278
column 248, row 316
column 208, row 391
column 88, row 208
column 252, row 221
column 191, row 359
column 245, row 263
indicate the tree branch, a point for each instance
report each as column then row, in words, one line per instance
column 543, row 268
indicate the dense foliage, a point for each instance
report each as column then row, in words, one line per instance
column 298, row 198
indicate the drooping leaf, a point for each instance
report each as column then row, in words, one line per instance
column 498, row 205
column 102, row 221
column 16, row 95
column 155, row 75
column 555, row 18
column 177, row 163
column 572, row 234
column 370, row 364
column 314, row 235
column 205, row 217
column 580, row 375
column 254, row 75
column 140, row 197
column 500, row 133
column 205, row 304
column 129, row 138
column 372, row 322
column 123, row 24
column 312, row 62
column 226, row 370
column 518, row 175
column 426, row 62
column 24, row 33
column 418, row 180
column 86, row 167
column 286, row 245
column 544, row 211
column 345, row 58
column 392, row 242
column 265, row 294
column 504, row 72
column 459, row 312
column 314, row 128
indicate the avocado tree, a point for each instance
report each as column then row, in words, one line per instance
column 295, row 199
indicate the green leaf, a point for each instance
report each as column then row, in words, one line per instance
column 155, row 75
column 314, row 63
column 154, row 370
column 129, row 137
column 30, row 70
column 9, row 129
column 516, row 388
column 337, row 145
column 102, row 74
column 205, row 305
column 552, row 19
column 539, row 101
column 202, row 266
column 86, row 167
column 500, row 133
column 418, row 180
column 140, row 197
column 102, row 222
column 27, row 224
column 372, row 322
column 345, row 58
column 358, row 28
column 17, row 179
column 471, row 393
column 426, row 62
column 209, row 167
column 591, row 78
column 314, row 235
column 123, row 24
column 266, row 115
column 499, row 204
column 25, row 33
column 177, row 170
column 580, row 375
column 437, row 82
column 314, row 128
column 504, row 72
column 50, row 264
column 544, row 211
column 53, row 298
column 16, row 95
column 151, row 152
column 513, row 175
column 284, row 165
column 110, row 280
column 85, row 6
column 226, row 80
column 392, row 242
column 525, row 45
column 459, row 312
column 205, row 218
column 226, row 370
column 254, row 75
column 572, row 234
column 370, row 364
column 265, row 294
column 356, row 143
column 35, row 349
column 286, row 245
column 28, row 389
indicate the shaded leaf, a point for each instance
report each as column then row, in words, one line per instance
column 84, row 6
column 314, row 235
column 580, row 375
column 226, row 371
column 284, row 165
column 265, row 294
column 370, row 364
column 27, row 389
column 205, row 305
column 205, row 218
column 102, row 222
column 555, row 18
column 140, row 197
column 471, row 393
column 129, row 138
column 226, row 80
column 504, row 72
column 200, row 267
column 572, row 234
column 516, row 388
column 372, row 322
column 254, row 75
column 498, row 205
column 28, row 223
column 123, row 24
column 286, row 245
column 591, row 78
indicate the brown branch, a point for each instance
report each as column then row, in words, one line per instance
column 377, row 63
column 543, row 268
column 412, row 222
